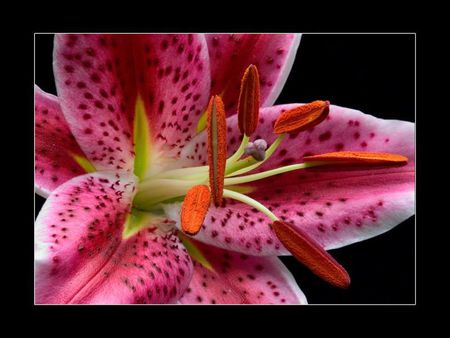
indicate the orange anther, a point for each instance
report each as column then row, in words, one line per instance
column 311, row 254
column 248, row 106
column 194, row 209
column 217, row 147
column 302, row 117
column 359, row 158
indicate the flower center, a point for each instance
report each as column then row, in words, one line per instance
column 198, row 187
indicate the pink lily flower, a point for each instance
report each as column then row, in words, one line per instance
column 123, row 149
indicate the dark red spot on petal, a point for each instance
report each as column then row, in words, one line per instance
column 325, row 136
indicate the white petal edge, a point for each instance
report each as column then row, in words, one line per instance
column 41, row 192
column 290, row 280
column 389, row 223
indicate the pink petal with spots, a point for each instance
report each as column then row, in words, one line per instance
column 231, row 54
column 174, row 82
column 235, row 227
column 95, row 96
column 54, row 145
column 100, row 77
column 241, row 279
column 81, row 257
column 336, row 206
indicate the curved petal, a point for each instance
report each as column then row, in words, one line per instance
column 106, row 82
column 240, row 279
column 81, row 256
column 231, row 54
column 94, row 96
column 337, row 207
column 174, row 84
column 55, row 147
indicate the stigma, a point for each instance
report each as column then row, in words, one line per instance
column 256, row 149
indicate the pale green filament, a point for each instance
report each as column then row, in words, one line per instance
column 155, row 191
column 172, row 185
column 237, row 155
column 183, row 173
column 268, row 173
column 198, row 172
column 249, row 201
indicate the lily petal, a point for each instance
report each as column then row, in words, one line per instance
column 174, row 82
column 336, row 207
column 240, row 279
column 106, row 82
column 93, row 91
column 56, row 150
column 231, row 54
column 81, row 255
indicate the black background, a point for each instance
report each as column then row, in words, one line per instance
column 374, row 73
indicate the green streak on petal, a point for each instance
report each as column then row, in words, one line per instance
column 137, row 220
column 141, row 139
column 84, row 163
column 201, row 125
column 194, row 252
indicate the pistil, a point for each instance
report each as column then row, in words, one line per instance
column 249, row 163
column 256, row 149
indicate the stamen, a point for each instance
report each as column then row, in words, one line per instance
column 359, row 158
column 301, row 118
column 217, row 147
column 248, row 106
column 194, row 209
column 311, row 254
